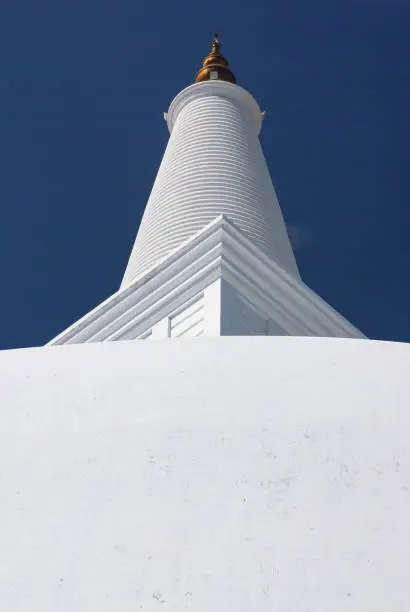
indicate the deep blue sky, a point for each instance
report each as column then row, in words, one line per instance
column 83, row 88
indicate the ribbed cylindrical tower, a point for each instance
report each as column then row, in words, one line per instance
column 213, row 165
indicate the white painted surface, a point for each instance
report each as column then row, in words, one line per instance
column 239, row 317
column 233, row 474
column 213, row 165
column 219, row 252
column 212, row 307
column 188, row 321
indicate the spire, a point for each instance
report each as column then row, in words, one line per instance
column 212, row 256
column 213, row 165
column 215, row 66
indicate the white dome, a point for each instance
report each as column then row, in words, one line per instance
column 232, row 474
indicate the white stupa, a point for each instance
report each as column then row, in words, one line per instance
column 223, row 473
column 212, row 256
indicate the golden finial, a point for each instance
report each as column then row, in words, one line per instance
column 215, row 66
column 216, row 43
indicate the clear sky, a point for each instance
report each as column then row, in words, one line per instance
column 83, row 88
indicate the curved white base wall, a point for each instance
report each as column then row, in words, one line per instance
column 231, row 474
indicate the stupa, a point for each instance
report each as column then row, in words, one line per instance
column 212, row 256
column 264, row 465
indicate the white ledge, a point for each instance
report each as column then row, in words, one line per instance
column 219, row 251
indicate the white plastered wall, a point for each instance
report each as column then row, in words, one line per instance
column 229, row 474
column 219, row 310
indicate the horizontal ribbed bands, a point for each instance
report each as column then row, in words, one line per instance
column 213, row 165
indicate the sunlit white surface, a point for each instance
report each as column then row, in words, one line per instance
column 213, row 165
column 228, row 474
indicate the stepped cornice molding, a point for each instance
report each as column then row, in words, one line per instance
column 219, row 251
